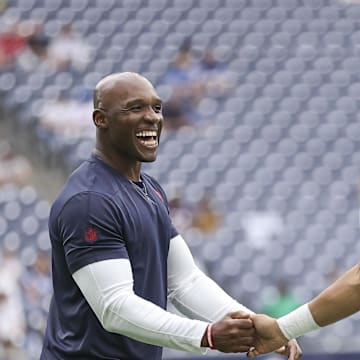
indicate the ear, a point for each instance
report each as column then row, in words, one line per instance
column 100, row 120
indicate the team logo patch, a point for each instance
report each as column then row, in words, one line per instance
column 90, row 234
column 159, row 195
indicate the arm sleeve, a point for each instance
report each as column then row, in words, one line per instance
column 188, row 287
column 121, row 311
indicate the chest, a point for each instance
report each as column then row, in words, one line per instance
column 146, row 222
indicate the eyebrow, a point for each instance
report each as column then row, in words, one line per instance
column 140, row 100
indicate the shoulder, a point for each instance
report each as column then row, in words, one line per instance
column 89, row 202
column 151, row 180
column 92, row 179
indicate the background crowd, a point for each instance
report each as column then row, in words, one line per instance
column 260, row 155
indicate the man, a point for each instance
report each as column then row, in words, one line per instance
column 338, row 301
column 116, row 255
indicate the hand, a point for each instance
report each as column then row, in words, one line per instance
column 234, row 333
column 292, row 350
column 269, row 338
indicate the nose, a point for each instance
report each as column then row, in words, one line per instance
column 152, row 115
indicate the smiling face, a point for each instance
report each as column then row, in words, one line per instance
column 128, row 115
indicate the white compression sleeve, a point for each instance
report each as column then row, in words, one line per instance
column 121, row 311
column 192, row 292
column 297, row 323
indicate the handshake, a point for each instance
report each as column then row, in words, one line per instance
column 254, row 334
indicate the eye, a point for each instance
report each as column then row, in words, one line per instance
column 157, row 108
column 137, row 108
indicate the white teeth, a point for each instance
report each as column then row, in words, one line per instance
column 146, row 133
column 149, row 142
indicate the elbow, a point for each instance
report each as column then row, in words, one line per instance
column 109, row 327
column 353, row 278
column 357, row 266
column 106, row 322
column 357, row 273
column 111, row 318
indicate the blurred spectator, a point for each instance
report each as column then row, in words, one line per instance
column 12, row 318
column 180, row 71
column 12, row 43
column 36, row 287
column 69, row 50
column 190, row 80
column 261, row 227
column 180, row 213
column 211, row 74
column 175, row 114
column 205, row 216
column 73, row 121
column 36, row 284
column 36, row 52
column 180, row 108
column 13, row 168
column 284, row 302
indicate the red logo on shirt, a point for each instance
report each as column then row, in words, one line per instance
column 90, row 234
column 159, row 195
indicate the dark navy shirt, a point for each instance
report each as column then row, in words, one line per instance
column 102, row 215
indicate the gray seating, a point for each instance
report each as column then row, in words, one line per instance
column 283, row 139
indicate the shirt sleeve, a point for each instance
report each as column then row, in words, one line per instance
column 90, row 226
column 121, row 311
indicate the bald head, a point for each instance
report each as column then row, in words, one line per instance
column 127, row 108
column 113, row 83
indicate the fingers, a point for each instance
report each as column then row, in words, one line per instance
column 292, row 350
column 295, row 352
column 284, row 350
column 252, row 353
column 233, row 335
column 238, row 315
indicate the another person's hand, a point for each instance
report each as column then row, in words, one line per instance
column 234, row 333
column 269, row 338
column 291, row 350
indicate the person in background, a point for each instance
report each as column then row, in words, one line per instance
column 69, row 50
column 180, row 213
column 36, row 53
column 205, row 216
column 12, row 43
column 12, row 316
column 284, row 302
column 36, row 289
column 186, row 89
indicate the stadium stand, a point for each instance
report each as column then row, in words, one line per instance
column 282, row 140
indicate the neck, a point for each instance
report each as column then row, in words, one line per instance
column 127, row 169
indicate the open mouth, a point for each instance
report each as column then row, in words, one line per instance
column 148, row 138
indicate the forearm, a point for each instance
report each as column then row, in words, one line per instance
column 121, row 311
column 189, row 287
column 145, row 322
column 339, row 300
column 190, row 296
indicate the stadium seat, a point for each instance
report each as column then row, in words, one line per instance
column 276, row 14
column 291, row 26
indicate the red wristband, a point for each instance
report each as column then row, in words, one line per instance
column 209, row 336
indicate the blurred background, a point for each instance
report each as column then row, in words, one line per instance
column 260, row 155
